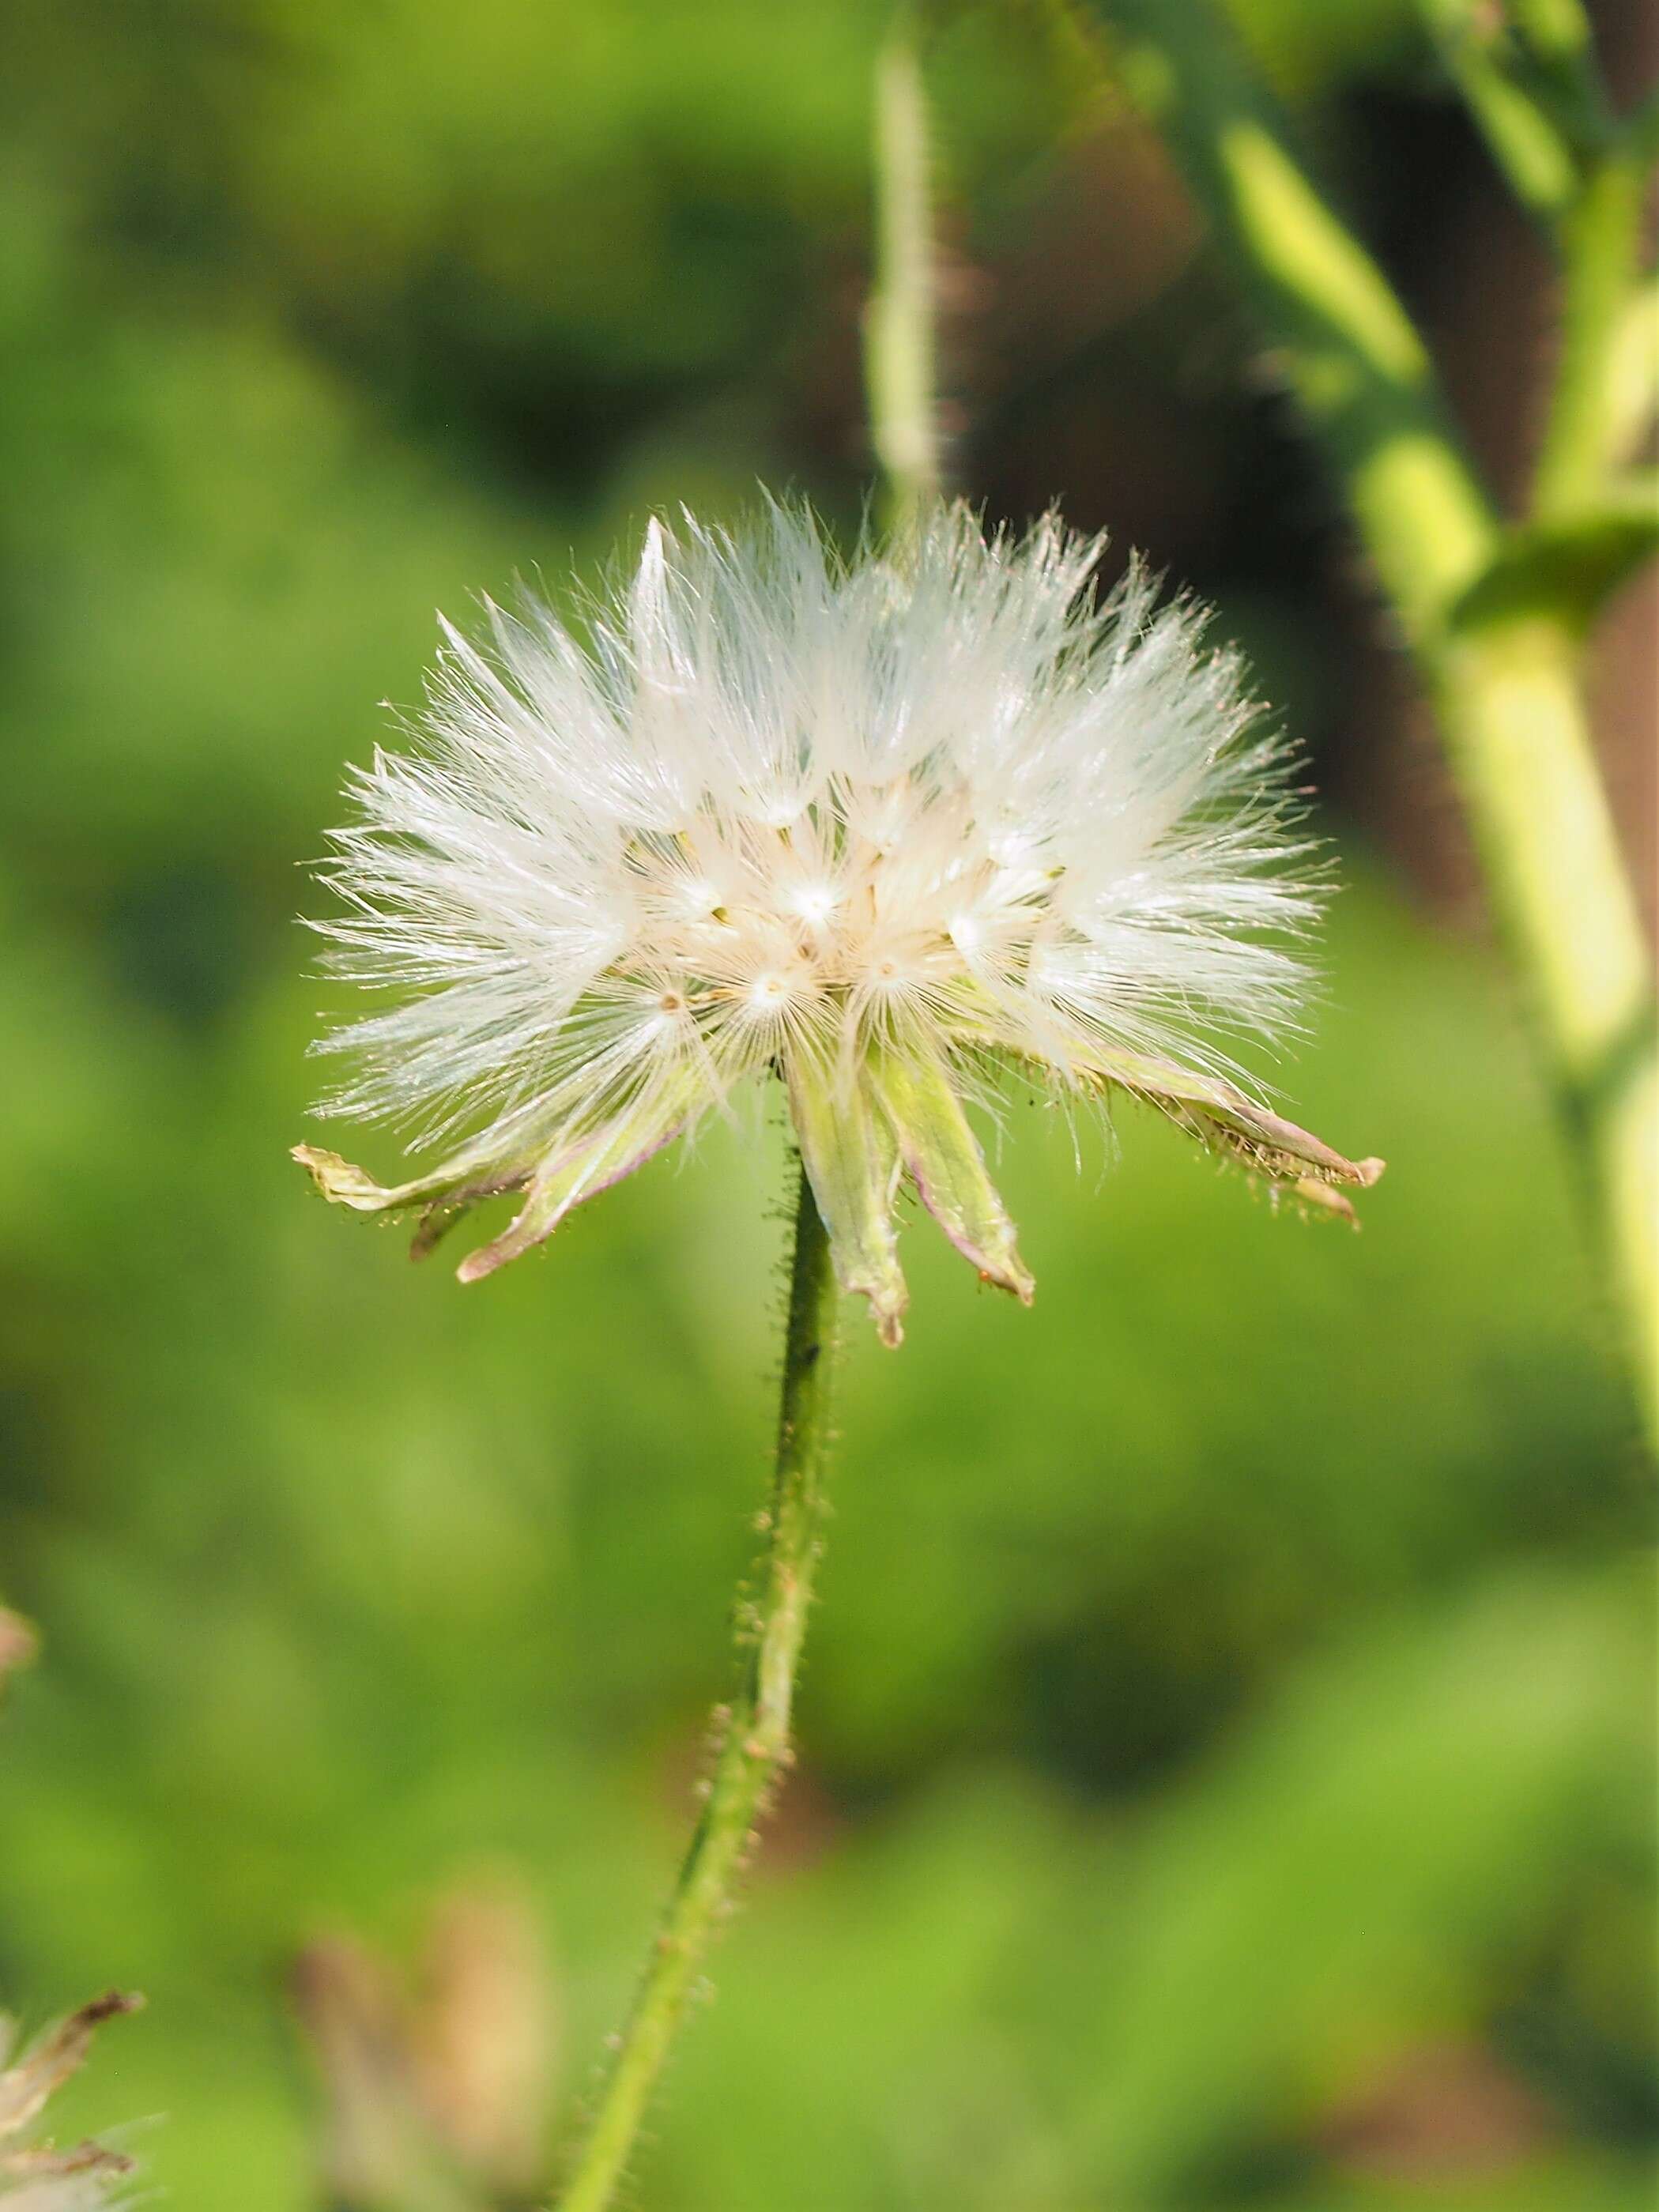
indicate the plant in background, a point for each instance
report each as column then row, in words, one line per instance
column 38, row 2177
column 1495, row 612
column 434, row 2090
column 18, row 1643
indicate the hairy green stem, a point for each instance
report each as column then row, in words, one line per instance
column 1506, row 690
column 898, row 322
column 755, row 1732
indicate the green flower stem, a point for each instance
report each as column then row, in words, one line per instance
column 754, row 1743
column 898, row 323
column 1506, row 687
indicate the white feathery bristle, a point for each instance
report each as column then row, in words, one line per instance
column 780, row 805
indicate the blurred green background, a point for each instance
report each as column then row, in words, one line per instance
column 1227, row 1742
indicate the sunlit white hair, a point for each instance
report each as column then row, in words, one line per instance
column 778, row 810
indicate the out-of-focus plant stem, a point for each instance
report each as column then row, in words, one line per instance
column 1502, row 665
column 1526, row 140
column 899, row 320
column 1530, row 79
column 1633, row 369
column 755, row 1739
column 1510, row 704
column 1600, row 238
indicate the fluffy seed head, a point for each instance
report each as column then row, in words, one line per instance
column 870, row 825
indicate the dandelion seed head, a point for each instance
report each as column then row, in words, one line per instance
column 781, row 810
